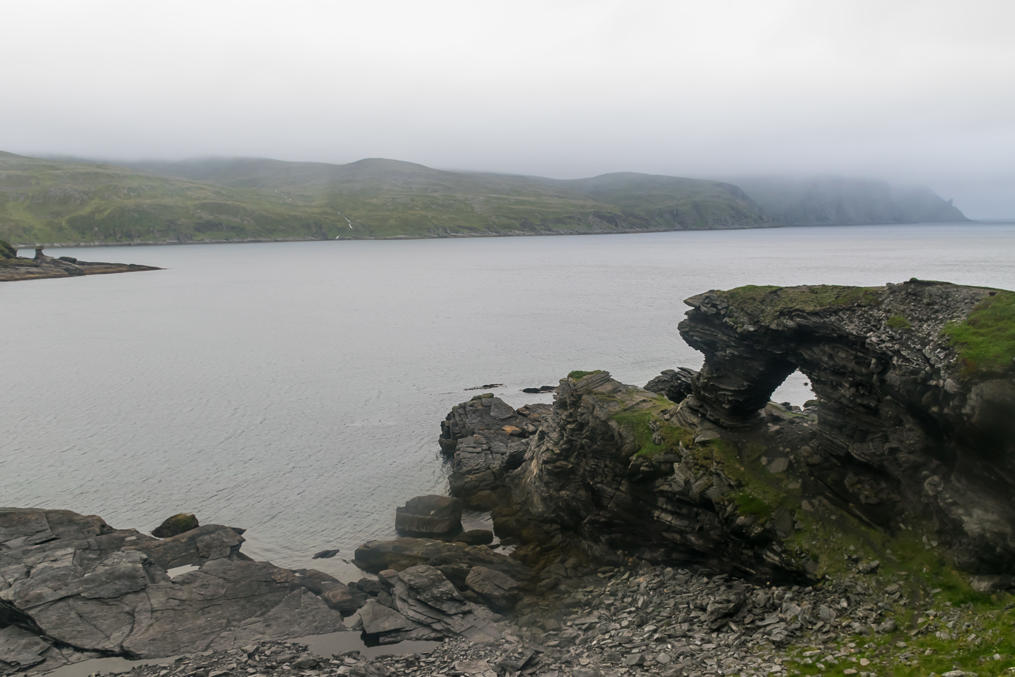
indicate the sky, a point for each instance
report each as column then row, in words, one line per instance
column 915, row 91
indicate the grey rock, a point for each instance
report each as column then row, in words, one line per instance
column 498, row 590
column 429, row 516
column 74, row 581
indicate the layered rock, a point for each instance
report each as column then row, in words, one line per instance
column 911, row 440
column 915, row 392
column 612, row 472
column 423, row 604
column 71, row 587
column 485, row 439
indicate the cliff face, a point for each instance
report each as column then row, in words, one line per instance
column 910, row 442
column 832, row 201
column 912, row 422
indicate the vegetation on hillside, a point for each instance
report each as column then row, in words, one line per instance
column 70, row 201
column 986, row 339
column 77, row 202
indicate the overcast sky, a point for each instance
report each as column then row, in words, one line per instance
column 910, row 90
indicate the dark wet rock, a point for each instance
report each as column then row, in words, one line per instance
column 177, row 524
column 498, row 590
column 487, row 386
column 675, row 384
column 480, row 456
column 453, row 559
column 429, row 516
column 475, row 537
column 325, row 554
column 73, row 581
column 540, row 389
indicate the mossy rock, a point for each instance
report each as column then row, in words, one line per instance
column 177, row 524
column 7, row 251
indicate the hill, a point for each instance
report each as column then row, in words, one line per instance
column 834, row 201
column 68, row 201
column 81, row 202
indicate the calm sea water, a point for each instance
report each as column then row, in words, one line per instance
column 296, row 389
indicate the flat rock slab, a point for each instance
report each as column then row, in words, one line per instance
column 72, row 580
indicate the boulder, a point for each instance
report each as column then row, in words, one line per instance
column 453, row 559
column 498, row 590
column 429, row 516
column 176, row 524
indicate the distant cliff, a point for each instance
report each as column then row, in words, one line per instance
column 836, row 201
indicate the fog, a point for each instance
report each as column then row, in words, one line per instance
column 904, row 90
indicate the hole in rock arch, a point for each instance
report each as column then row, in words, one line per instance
column 796, row 389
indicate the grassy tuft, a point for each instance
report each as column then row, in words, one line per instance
column 898, row 322
column 985, row 341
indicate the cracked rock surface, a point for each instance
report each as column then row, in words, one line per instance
column 72, row 587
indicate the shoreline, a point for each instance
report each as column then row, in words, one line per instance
column 459, row 236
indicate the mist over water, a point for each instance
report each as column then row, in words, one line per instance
column 297, row 389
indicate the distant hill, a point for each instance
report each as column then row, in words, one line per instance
column 74, row 201
column 828, row 201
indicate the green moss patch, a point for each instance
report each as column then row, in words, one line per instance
column 767, row 302
column 898, row 322
column 647, row 426
column 985, row 341
column 578, row 373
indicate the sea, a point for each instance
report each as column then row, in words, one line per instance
column 296, row 389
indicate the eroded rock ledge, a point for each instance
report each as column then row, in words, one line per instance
column 910, row 445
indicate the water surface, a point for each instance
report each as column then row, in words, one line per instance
column 296, row 389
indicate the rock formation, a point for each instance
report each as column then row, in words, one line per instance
column 436, row 516
column 912, row 440
column 73, row 587
column 915, row 394
column 13, row 267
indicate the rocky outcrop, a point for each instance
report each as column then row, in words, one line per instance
column 429, row 516
column 485, row 439
column 675, row 384
column 915, row 387
column 909, row 442
column 13, row 267
column 72, row 587
column 612, row 473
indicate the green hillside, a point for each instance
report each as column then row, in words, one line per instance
column 48, row 201
column 69, row 201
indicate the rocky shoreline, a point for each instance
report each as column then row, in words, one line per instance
column 14, row 267
column 691, row 527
